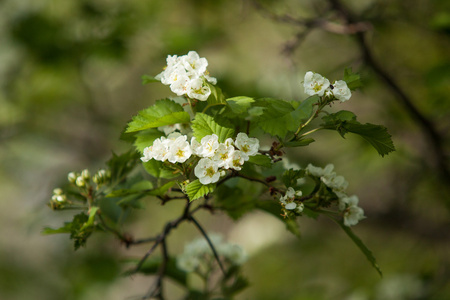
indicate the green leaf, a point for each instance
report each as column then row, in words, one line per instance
column 353, row 80
column 369, row 255
column 163, row 112
column 204, row 125
column 238, row 285
column 299, row 143
column 377, row 135
column 217, row 97
column 260, row 160
column 146, row 138
column 161, row 190
column 121, row 165
column 138, row 188
column 196, row 189
column 276, row 118
column 256, row 111
column 159, row 170
column 305, row 109
column 240, row 104
column 65, row 229
column 234, row 201
column 291, row 176
column 91, row 219
column 146, row 79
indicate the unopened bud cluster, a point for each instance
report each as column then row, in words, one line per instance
column 215, row 157
column 83, row 179
column 58, row 199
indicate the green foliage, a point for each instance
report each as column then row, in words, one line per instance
column 234, row 201
column 195, row 190
column 145, row 138
column 240, row 105
column 152, row 266
column 204, row 125
column 291, row 176
column 122, row 165
column 377, row 135
column 261, row 160
column 146, row 79
column 274, row 209
column 353, row 80
column 158, row 169
column 163, row 112
column 276, row 118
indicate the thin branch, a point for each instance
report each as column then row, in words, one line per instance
column 205, row 235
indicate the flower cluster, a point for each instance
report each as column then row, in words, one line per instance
column 288, row 200
column 316, row 84
column 187, row 75
column 215, row 157
column 347, row 205
column 199, row 251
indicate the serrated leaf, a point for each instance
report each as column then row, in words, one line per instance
column 204, row 125
column 353, row 80
column 163, row 112
column 369, row 255
column 260, row 160
column 276, row 118
column 377, row 135
column 161, row 190
column 146, row 138
column 146, row 79
column 196, row 189
column 240, row 104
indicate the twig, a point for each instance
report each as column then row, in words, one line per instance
column 205, row 235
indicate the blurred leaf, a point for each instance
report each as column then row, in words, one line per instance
column 146, row 138
column 158, row 169
column 291, row 176
column 353, row 80
column 146, row 79
column 260, row 160
column 237, row 285
column 299, row 143
column 217, row 97
column 196, row 189
column 274, row 208
column 361, row 246
column 234, row 202
column 204, row 125
column 240, row 104
column 163, row 112
column 121, row 165
column 152, row 265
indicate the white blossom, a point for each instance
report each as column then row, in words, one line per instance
column 315, row 84
column 341, row 90
column 353, row 215
column 194, row 64
column 248, row 146
column 234, row 253
column 223, row 156
column 209, row 145
column 237, row 160
column 207, row 171
column 197, row 89
column 188, row 263
column 179, row 150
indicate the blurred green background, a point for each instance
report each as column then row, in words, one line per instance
column 70, row 80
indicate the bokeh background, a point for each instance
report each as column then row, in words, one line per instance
column 70, row 80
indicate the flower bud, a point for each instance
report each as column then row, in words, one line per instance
column 57, row 191
column 72, row 177
column 80, row 181
column 85, row 174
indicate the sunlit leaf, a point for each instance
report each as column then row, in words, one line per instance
column 196, row 189
column 204, row 125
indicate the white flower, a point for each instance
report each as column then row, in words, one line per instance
column 223, row 156
column 196, row 147
column 315, row 84
column 348, row 201
column 195, row 65
column 233, row 253
column 207, row 171
column 341, row 90
column 179, row 150
column 318, row 172
column 288, row 199
column 336, row 183
column 290, row 206
column 196, row 89
column 248, row 146
column 209, row 145
column 237, row 160
column 148, row 154
column 210, row 79
column 160, row 149
column 353, row 215
column 188, row 263
column 300, row 207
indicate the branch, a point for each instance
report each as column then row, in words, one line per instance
column 216, row 256
column 427, row 127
